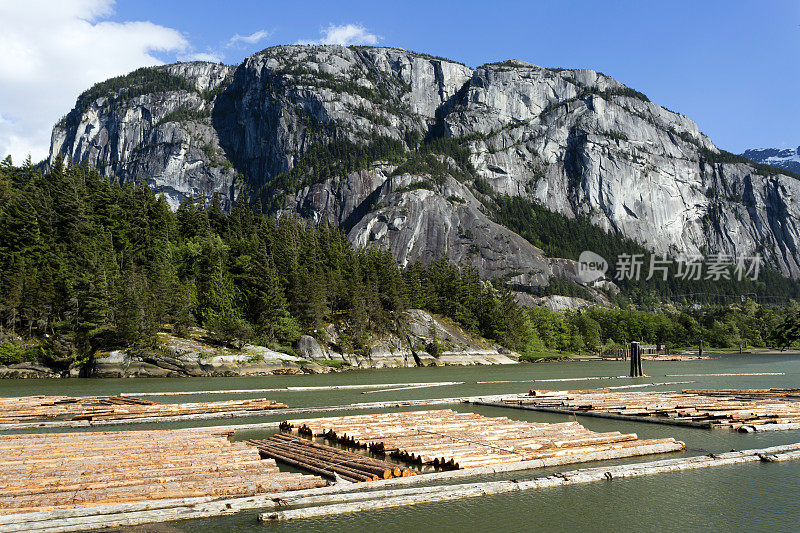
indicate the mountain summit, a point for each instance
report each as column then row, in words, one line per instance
column 787, row 158
column 413, row 152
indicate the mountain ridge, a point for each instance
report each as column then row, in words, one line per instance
column 785, row 158
column 433, row 140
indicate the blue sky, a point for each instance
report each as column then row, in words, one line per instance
column 731, row 66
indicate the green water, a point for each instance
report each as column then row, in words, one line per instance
column 752, row 497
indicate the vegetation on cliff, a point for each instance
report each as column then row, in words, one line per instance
column 561, row 236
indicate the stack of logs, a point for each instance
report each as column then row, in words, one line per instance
column 47, row 471
column 326, row 460
column 709, row 408
column 18, row 410
column 448, row 439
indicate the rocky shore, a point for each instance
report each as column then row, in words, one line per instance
column 425, row 340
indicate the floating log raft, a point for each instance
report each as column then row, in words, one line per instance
column 729, row 374
column 327, row 461
column 36, row 409
column 293, row 389
column 731, row 408
column 747, row 393
column 49, row 471
column 451, row 440
column 242, row 414
column 356, row 502
column 127, row 514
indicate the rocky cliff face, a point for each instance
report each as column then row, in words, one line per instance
column 582, row 143
column 163, row 138
column 398, row 148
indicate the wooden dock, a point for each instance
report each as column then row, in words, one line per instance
column 451, row 440
column 327, row 461
column 57, row 471
column 27, row 410
column 738, row 409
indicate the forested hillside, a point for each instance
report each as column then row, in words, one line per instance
column 88, row 264
column 91, row 264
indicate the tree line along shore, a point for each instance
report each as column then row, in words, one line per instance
column 89, row 265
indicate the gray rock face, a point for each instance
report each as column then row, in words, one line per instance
column 576, row 141
column 309, row 348
column 27, row 371
column 165, row 139
column 287, row 99
column 424, row 224
column 413, row 347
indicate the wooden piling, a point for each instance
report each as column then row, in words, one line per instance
column 636, row 360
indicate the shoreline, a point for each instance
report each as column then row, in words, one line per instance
column 178, row 368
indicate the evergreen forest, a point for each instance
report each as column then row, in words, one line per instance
column 89, row 264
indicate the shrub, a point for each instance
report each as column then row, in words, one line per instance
column 11, row 353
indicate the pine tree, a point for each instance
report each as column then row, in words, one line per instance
column 268, row 307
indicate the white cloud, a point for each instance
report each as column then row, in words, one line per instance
column 346, row 34
column 51, row 51
column 253, row 38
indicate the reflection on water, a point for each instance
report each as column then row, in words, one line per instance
column 753, row 497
